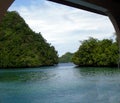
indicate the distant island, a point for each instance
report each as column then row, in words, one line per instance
column 22, row 47
column 94, row 52
column 66, row 58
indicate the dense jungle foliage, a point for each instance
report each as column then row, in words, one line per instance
column 21, row 47
column 93, row 52
column 66, row 58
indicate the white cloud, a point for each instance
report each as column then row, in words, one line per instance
column 63, row 26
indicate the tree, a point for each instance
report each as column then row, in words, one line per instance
column 93, row 52
column 67, row 57
column 21, row 47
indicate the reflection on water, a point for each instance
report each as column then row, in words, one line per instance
column 100, row 71
column 23, row 76
column 60, row 84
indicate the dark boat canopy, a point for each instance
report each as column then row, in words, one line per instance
column 4, row 5
column 97, row 6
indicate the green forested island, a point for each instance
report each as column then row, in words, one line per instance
column 66, row 58
column 93, row 52
column 21, row 47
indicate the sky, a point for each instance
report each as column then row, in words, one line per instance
column 63, row 26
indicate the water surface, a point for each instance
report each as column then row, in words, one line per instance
column 60, row 84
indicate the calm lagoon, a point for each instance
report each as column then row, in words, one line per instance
column 63, row 83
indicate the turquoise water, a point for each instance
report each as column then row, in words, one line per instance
column 60, row 84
